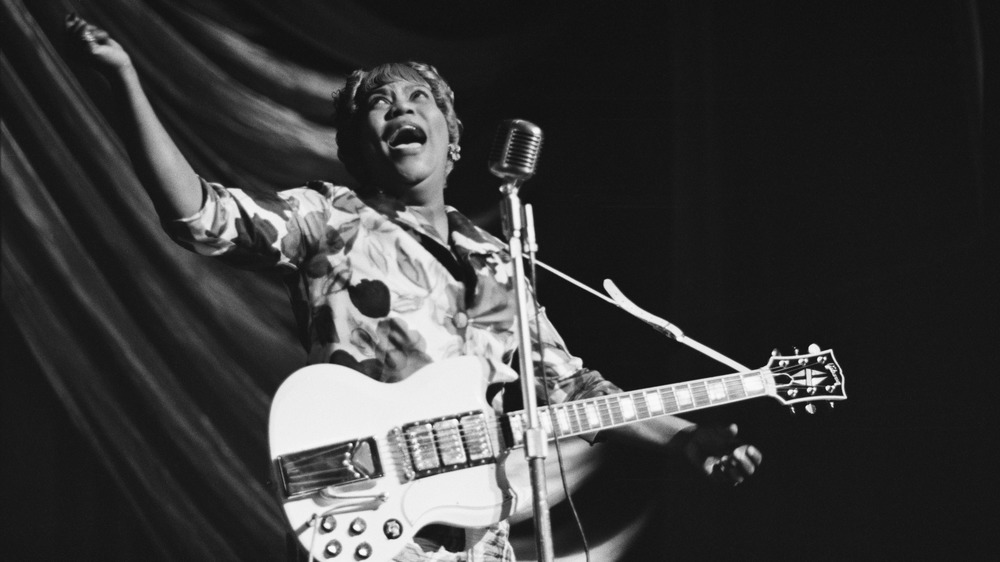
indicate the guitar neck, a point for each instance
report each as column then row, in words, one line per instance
column 614, row 410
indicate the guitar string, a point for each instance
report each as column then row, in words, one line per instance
column 578, row 416
column 432, row 444
column 436, row 443
column 580, row 420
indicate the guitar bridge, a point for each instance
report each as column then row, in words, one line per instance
column 313, row 470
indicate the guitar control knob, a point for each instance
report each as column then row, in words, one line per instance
column 358, row 526
column 332, row 549
column 327, row 524
column 393, row 529
column 363, row 552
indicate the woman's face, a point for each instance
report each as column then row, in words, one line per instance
column 404, row 138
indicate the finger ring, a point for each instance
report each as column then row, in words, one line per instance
column 88, row 36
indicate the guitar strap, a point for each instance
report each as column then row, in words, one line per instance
column 461, row 271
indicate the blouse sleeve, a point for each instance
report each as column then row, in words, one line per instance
column 254, row 231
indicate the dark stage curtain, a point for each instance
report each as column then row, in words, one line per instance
column 165, row 361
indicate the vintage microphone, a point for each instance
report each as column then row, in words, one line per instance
column 513, row 159
column 514, row 155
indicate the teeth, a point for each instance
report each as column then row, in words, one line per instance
column 407, row 134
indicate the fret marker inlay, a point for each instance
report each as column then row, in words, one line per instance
column 628, row 409
column 654, row 402
column 716, row 391
column 563, row 419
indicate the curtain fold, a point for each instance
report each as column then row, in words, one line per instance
column 164, row 360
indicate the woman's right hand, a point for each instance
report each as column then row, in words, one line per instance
column 106, row 54
column 161, row 167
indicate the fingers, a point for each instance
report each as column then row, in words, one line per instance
column 734, row 468
column 728, row 470
column 74, row 24
column 749, row 458
column 752, row 454
column 733, row 429
column 85, row 34
column 718, row 453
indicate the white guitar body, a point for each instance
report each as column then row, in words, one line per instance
column 361, row 466
column 324, row 404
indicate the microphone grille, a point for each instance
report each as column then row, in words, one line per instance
column 515, row 149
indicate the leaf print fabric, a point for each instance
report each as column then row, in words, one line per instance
column 386, row 295
column 370, row 297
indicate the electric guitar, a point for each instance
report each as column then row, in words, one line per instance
column 361, row 466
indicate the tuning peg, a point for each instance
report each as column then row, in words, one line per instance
column 795, row 351
column 813, row 348
column 775, row 352
column 831, row 404
column 791, row 409
column 811, row 408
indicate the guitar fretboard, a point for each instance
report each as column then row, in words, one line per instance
column 604, row 412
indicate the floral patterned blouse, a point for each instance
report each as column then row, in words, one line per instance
column 375, row 289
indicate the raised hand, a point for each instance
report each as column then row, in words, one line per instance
column 166, row 175
column 106, row 54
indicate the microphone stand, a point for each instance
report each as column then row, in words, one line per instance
column 535, row 440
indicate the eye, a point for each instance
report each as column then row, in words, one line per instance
column 420, row 94
column 377, row 101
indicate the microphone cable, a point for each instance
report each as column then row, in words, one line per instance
column 545, row 386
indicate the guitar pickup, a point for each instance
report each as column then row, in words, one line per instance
column 312, row 470
column 445, row 444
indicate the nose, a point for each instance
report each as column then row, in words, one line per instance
column 400, row 106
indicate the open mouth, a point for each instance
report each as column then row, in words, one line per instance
column 407, row 135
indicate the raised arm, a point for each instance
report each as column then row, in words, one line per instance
column 164, row 172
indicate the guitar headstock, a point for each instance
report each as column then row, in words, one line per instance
column 807, row 378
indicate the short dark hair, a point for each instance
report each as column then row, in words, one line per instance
column 349, row 105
